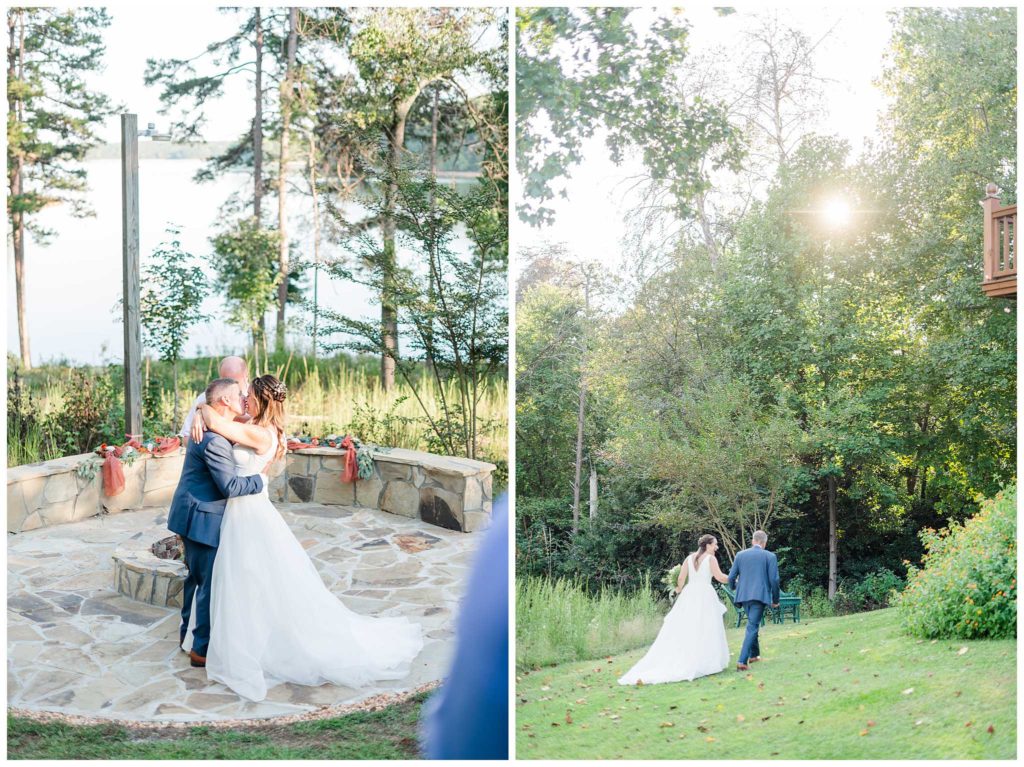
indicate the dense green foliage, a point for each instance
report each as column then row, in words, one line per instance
column 966, row 585
column 852, row 687
column 389, row 733
column 811, row 372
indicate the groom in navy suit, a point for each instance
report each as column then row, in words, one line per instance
column 758, row 574
column 208, row 479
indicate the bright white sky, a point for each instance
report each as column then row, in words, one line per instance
column 590, row 220
column 163, row 31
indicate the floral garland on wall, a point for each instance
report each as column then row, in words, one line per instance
column 358, row 455
column 111, row 460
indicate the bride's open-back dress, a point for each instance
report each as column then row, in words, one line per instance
column 691, row 642
column 273, row 620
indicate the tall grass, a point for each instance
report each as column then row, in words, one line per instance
column 557, row 621
column 338, row 395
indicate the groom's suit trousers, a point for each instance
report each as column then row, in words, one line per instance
column 196, row 595
column 751, row 648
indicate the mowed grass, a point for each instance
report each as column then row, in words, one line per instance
column 851, row 687
column 390, row 733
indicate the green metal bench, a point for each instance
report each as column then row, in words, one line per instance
column 789, row 604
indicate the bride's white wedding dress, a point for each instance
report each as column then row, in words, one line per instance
column 692, row 641
column 273, row 620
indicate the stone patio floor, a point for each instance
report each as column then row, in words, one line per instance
column 77, row 647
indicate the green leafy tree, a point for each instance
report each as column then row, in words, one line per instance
column 581, row 69
column 171, row 302
column 52, row 115
column 245, row 258
column 455, row 305
column 392, row 56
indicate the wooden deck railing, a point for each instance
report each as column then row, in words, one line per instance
column 1000, row 243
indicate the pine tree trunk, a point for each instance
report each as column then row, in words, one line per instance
column 388, row 305
column 593, row 491
column 257, row 124
column 287, row 94
column 579, row 457
column 431, row 289
column 16, row 68
column 832, row 543
column 316, row 238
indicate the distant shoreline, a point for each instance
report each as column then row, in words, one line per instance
column 165, row 150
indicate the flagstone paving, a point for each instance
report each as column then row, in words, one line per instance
column 76, row 646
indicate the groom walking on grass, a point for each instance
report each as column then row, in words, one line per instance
column 758, row 574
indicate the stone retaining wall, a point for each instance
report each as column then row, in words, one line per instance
column 51, row 493
column 450, row 492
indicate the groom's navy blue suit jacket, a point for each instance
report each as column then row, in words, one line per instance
column 207, row 480
column 758, row 573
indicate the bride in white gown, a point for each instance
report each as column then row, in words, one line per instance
column 272, row 619
column 691, row 642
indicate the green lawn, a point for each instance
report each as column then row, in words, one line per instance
column 390, row 733
column 852, row 687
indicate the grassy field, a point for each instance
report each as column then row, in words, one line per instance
column 391, row 733
column 851, row 687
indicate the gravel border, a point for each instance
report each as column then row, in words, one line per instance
column 373, row 703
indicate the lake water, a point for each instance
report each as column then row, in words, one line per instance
column 74, row 283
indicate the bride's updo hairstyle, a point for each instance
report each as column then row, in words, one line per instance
column 270, row 395
column 702, row 545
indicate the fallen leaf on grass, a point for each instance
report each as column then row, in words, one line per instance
column 554, row 724
column 962, row 650
column 568, row 716
column 667, row 724
column 740, row 718
column 863, row 733
column 615, row 717
column 968, row 724
column 581, row 701
column 991, row 730
column 908, row 691
column 871, row 722
column 957, row 694
column 709, row 739
column 919, row 722
column 545, row 688
column 672, row 708
column 702, row 728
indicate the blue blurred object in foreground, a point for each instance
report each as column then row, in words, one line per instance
column 468, row 717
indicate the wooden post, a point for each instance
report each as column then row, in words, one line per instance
column 989, row 204
column 130, row 252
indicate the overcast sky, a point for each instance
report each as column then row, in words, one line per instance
column 590, row 220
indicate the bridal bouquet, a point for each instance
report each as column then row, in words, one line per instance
column 670, row 579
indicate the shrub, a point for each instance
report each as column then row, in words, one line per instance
column 875, row 590
column 89, row 415
column 967, row 584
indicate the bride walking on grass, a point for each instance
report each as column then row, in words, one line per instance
column 691, row 642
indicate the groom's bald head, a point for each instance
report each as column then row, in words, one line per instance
column 236, row 368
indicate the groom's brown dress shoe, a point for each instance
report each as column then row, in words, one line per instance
column 742, row 667
column 755, row 659
column 198, row 661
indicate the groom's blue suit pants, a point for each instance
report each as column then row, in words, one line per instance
column 751, row 648
column 196, row 593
